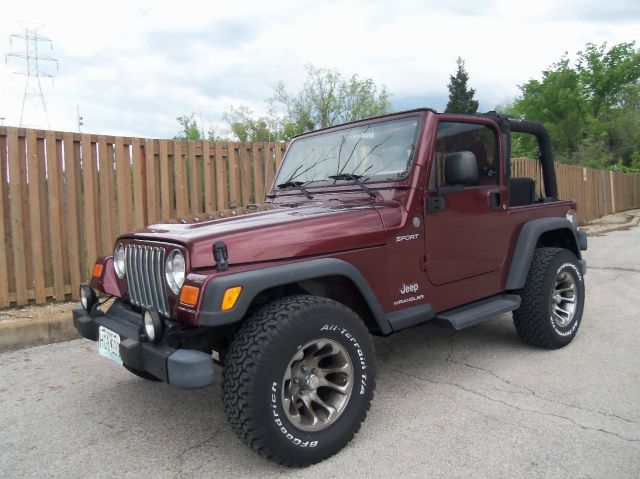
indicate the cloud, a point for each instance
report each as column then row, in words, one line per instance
column 135, row 66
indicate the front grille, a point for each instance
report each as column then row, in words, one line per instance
column 145, row 276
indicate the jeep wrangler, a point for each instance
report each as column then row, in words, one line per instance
column 370, row 227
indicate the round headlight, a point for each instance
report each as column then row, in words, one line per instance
column 87, row 297
column 119, row 257
column 174, row 270
column 152, row 325
column 572, row 217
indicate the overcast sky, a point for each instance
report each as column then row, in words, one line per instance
column 134, row 65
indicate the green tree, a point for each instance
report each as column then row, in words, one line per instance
column 245, row 127
column 188, row 128
column 557, row 101
column 608, row 75
column 328, row 99
column 591, row 107
column 461, row 96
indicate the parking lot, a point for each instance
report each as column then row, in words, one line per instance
column 474, row 403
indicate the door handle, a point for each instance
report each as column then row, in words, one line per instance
column 495, row 200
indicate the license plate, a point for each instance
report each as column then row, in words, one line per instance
column 108, row 344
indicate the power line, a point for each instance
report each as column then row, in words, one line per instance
column 32, row 59
column 124, row 29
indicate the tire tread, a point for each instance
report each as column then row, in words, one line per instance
column 264, row 328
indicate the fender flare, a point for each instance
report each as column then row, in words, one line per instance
column 526, row 245
column 255, row 281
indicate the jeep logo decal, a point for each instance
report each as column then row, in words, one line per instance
column 409, row 288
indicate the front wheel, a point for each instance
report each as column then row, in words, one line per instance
column 299, row 379
column 552, row 299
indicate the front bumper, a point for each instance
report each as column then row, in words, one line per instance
column 184, row 368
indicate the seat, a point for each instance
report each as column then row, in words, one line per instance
column 522, row 191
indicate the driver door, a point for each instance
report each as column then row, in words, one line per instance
column 464, row 232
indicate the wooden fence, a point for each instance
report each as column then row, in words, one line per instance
column 65, row 197
column 597, row 192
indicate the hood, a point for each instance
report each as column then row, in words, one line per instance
column 271, row 232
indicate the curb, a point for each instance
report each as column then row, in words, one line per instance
column 596, row 229
column 24, row 333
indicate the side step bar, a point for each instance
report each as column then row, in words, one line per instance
column 479, row 311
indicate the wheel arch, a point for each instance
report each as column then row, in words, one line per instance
column 538, row 233
column 326, row 277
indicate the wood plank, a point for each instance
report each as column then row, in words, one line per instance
column 153, row 212
column 234, row 176
column 6, row 214
column 139, row 185
column 279, row 155
column 71, row 164
column 106, row 217
column 64, row 237
column 182, row 199
column 209, row 178
column 79, row 187
column 89, row 202
column 4, row 285
column 123, row 180
column 166, row 198
column 258, row 151
column 24, row 190
column 270, row 166
column 245, row 174
column 54, row 197
column 17, row 227
column 222, row 202
column 97, row 214
column 37, row 243
column 111, row 174
column 195, row 180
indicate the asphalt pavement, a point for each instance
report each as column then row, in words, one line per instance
column 474, row 403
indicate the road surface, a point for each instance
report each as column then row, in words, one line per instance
column 474, row 403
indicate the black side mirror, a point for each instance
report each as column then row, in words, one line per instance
column 461, row 168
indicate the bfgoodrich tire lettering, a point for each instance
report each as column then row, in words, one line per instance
column 254, row 378
column 552, row 299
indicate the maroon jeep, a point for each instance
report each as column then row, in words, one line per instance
column 370, row 228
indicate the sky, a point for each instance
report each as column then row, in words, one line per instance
column 133, row 66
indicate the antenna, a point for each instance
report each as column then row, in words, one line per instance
column 31, row 58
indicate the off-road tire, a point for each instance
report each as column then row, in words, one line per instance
column 254, row 373
column 534, row 320
column 141, row 374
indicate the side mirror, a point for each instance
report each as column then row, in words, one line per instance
column 461, row 168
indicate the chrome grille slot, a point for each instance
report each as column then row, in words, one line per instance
column 145, row 271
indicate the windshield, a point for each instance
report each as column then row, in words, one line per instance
column 371, row 153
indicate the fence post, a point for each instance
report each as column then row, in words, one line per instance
column 613, row 194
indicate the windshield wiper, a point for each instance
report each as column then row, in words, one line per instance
column 355, row 179
column 295, row 185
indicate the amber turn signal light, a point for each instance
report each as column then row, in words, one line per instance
column 97, row 270
column 230, row 298
column 189, row 295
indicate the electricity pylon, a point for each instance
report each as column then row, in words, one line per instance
column 32, row 59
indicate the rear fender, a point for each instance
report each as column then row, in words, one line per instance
column 555, row 231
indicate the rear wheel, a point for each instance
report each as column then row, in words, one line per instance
column 299, row 379
column 552, row 299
